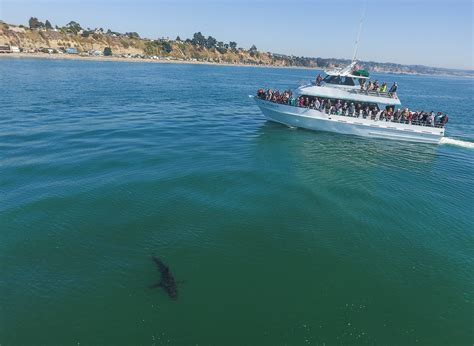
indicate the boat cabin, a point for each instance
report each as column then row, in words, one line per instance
column 347, row 84
column 346, row 77
column 339, row 80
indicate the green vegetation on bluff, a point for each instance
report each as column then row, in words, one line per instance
column 42, row 36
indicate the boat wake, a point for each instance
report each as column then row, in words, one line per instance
column 456, row 142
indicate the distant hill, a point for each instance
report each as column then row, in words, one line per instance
column 44, row 37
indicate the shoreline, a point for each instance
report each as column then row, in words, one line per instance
column 46, row 56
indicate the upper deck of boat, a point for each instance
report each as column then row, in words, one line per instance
column 349, row 84
column 349, row 93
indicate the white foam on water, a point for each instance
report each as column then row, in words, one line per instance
column 457, row 142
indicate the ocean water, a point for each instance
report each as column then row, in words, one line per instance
column 280, row 236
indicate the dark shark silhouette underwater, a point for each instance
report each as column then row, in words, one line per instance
column 167, row 282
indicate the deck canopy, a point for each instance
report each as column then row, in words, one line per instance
column 351, row 94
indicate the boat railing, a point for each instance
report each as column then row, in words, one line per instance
column 374, row 118
column 365, row 116
column 387, row 94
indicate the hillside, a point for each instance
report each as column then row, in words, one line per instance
column 40, row 37
column 86, row 42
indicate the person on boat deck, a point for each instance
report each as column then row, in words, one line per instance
column 371, row 113
column 416, row 118
column 379, row 115
column 389, row 114
column 328, row 106
column 424, row 117
column 383, row 88
column 345, row 109
column 430, row 119
column 322, row 106
column 394, row 87
column 405, row 114
column 398, row 115
column 319, row 79
column 371, row 86
column 338, row 104
column 358, row 110
column 352, row 109
column 444, row 119
column 317, row 104
column 376, row 85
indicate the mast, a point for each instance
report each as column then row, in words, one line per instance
column 358, row 33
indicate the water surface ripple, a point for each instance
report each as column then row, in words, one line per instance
column 282, row 236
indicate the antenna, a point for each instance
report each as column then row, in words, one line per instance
column 358, row 33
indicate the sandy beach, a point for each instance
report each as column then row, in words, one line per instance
column 135, row 60
column 164, row 61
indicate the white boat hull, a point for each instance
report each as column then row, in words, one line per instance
column 315, row 120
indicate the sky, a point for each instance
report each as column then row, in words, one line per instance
column 426, row 32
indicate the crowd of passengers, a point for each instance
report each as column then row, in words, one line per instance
column 357, row 110
column 370, row 86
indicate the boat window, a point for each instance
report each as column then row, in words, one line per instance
column 332, row 79
column 339, row 80
column 348, row 81
column 328, row 79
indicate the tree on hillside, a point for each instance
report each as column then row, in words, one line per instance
column 48, row 25
column 253, row 50
column 34, row 23
column 220, row 47
column 86, row 33
column 233, row 45
column 73, row 27
column 132, row 34
column 210, row 42
column 198, row 39
column 167, row 48
column 178, row 39
column 107, row 51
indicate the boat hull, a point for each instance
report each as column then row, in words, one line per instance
column 315, row 120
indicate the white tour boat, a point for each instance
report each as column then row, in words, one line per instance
column 347, row 85
column 344, row 85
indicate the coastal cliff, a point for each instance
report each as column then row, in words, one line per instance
column 97, row 42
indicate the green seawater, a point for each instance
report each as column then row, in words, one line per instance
column 280, row 236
